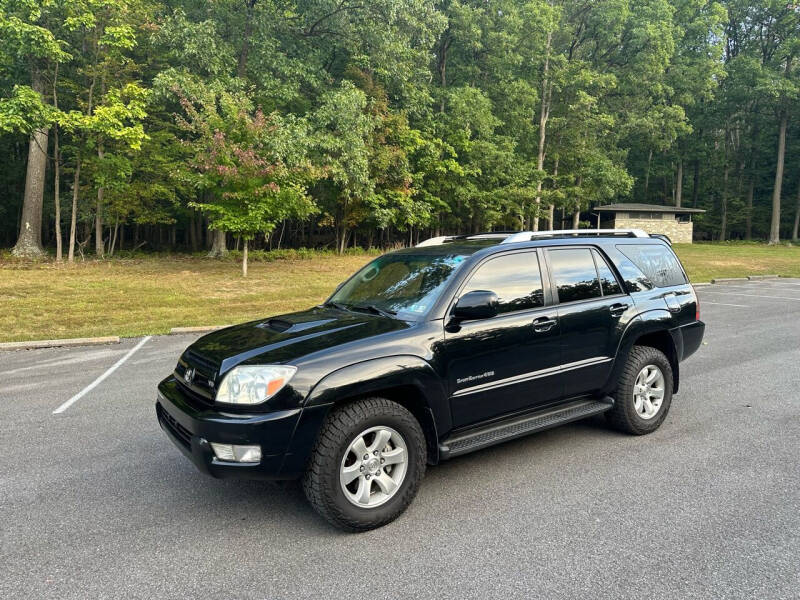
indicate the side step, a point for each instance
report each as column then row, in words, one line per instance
column 497, row 432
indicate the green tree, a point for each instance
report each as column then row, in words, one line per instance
column 252, row 166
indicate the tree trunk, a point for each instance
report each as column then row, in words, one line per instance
column 114, row 237
column 99, row 244
column 775, row 224
column 29, row 242
column 551, row 210
column 679, row 184
column 244, row 259
column 544, row 113
column 576, row 216
column 724, row 209
column 193, row 232
column 57, row 195
column 73, row 222
column 280, row 237
column 795, row 231
column 647, row 175
column 218, row 246
column 57, row 175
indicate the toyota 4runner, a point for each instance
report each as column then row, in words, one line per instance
column 431, row 352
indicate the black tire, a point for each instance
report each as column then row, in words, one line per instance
column 321, row 480
column 624, row 416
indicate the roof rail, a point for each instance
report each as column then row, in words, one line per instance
column 526, row 236
column 483, row 235
column 508, row 237
column 434, row 241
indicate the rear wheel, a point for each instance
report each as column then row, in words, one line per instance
column 644, row 392
column 367, row 464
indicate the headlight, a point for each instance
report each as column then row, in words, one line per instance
column 253, row 385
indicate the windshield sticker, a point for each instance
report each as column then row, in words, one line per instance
column 418, row 308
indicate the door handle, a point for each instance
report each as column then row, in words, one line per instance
column 543, row 324
column 618, row 308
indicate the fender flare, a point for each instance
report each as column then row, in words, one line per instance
column 377, row 374
column 652, row 321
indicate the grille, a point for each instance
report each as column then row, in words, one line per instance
column 193, row 398
column 201, row 389
column 178, row 430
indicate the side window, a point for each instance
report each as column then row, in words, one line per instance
column 515, row 278
column 575, row 274
column 657, row 262
column 608, row 282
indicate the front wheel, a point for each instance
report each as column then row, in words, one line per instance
column 367, row 464
column 644, row 392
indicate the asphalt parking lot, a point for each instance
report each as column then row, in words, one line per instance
column 95, row 502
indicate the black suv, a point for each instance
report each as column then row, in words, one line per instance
column 431, row 352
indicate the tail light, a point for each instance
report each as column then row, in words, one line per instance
column 696, row 304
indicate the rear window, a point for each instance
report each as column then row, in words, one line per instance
column 657, row 262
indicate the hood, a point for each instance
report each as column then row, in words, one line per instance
column 287, row 337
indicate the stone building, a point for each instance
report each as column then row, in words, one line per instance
column 672, row 221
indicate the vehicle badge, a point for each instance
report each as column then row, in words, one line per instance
column 188, row 375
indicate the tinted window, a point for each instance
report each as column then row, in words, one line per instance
column 608, row 282
column 515, row 278
column 634, row 279
column 575, row 274
column 657, row 262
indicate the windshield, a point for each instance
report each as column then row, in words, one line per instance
column 406, row 284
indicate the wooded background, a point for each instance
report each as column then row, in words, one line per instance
column 164, row 124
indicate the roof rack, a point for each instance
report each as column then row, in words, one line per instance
column 510, row 237
column 526, row 236
column 484, row 235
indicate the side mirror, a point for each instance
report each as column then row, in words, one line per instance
column 479, row 304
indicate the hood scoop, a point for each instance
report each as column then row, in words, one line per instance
column 282, row 326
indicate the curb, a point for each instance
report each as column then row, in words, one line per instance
column 95, row 341
column 752, row 277
column 199, row 329
column 727, row 279
column 700, row 284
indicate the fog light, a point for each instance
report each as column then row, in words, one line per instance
column 234, row 453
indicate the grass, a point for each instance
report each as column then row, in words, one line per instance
column 133, row 297
column 149, row 295
column 706, row 261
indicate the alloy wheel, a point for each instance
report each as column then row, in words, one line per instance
column 373, row 467
column 648, row 392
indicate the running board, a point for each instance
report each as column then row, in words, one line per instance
column 508, row 429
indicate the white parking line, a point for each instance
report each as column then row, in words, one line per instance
column 724, row 304
column 100, row 379
column 754, row 288
column 789, row 287
column 751, row 295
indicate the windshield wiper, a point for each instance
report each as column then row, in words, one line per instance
column 375, row 310
column 338, row 305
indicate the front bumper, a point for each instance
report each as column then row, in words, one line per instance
column 191, row 426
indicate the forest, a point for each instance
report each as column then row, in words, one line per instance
column 212, row 125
